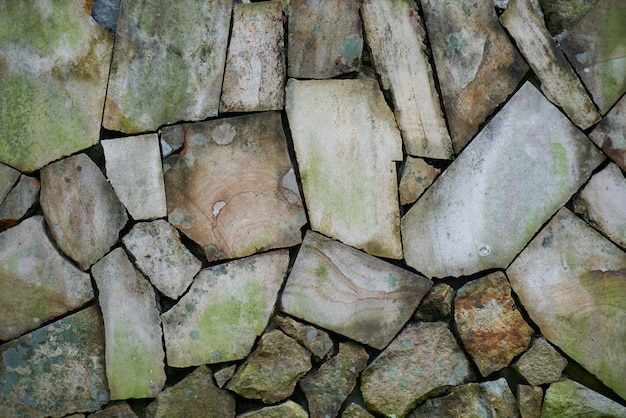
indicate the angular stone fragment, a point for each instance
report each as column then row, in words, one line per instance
column 19, row 200
column 397, row 40
column 91, row 227
column 134, row 350
column 37, row 284
column 106, row 12
column 8, row 178
column 313, row 339
column 349, row 292
column 563, row 15
column 168, row 63
column 347, row 163
column 54, row 66
column 541, row 363
column 325, row 38
column 233, row 190
column 572, row 282
column 223, row 375
column 477, row 66
column 225, row 309
column 530, row 401
column 529, row 158
column 610, row 134
column 422, row 361
column 160, row 255
column 254, row 78
column 288, row 409
column 559, row 82
column 115, row 410
column 134, row 169
column 356, row 411
column 437, row 304
column 55, row 370
column 271, row 372
column 417, row 175
column 571, row 399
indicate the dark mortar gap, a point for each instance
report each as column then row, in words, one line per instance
column 176, row 374
column 96, row 154
column 294, row 163
column 138, row 405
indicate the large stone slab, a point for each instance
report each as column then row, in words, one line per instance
column 346, row 143
column 610, row 134
column 522, row 167
column 54, row 67
column 19, row 200
column 36, row 283
column 572, row 283
column 569, row 398
column 477, row 66
column 168, row 63
column 8, row 178
column 55, row 370
column 397, row 41
column 225, row 310
column 81, row 208
column 233, row 190
column 349, row 292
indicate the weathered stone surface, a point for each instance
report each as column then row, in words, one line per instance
column 349, row 292
column 233, row 190
column 172, row 140
column 194, row 396
column 87, row 231
column 160, row 255
column 19, row 200
column 490, row 326
column 168, row 63
column 329, row 386
column 417, row 175
column 571, row 399
column 559, row 82
column 115, row 410
column 610, row 134
column 530, row 401
column 254, row 78
column 106, row 12
column 347, row 164
column 225, row 309
column 356, row 411
column 54, row 66
column 572, row 282
column 271, row 372
column 325, row 38
column 595, row 47
column 563, row 15
column 288, row 409
column 541, row 363
column 313, row 339
column 55, row 370
column 8, row 178
column 134, row 169
column 477, row 66
column 437, row 304
column 134, row 351
column 223, row 375
column 529, row 157
column 36, row 283
column 602, row 203
column 422, row 361
column 397, row 40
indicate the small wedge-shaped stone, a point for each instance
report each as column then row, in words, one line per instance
column 254, row 78
column 168, row 63
column 572, row 283
column 81, row 208
column 135, row 171
column 286, row 409
column 225, row 310
column 541, row 363
column 349, row 292
column 313, row 339
column 396, row 37
column 559, row 82
column 234, row 191
column 36, row 283
column 522, row 167
column 571, row 399
column 8, row 178
column 417, row 175
column 610, row 134
column 355, row 411
column 134, row 350
column 437, row 304
column 117, row 409
column 19, row 200
column 346, row 142
column 477, row 66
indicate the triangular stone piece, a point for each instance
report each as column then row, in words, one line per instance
column 19, row 200
column 8, row 178
column 610, row 134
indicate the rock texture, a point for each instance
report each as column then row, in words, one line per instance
column 530, row 401
column 313, row 339
column 356, row 411
column 437, row 304
column 8, row 177
column 541, row 363
column 114, row 410
column 610, row 135
column 18, row 201
column 416, row 176
column 286, row 409
column 569, row 398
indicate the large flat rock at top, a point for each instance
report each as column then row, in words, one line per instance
column 346, row 142
column 481, row 212
column 54, row 70
column 572, row 283
column 168, row 63
column 610, row 134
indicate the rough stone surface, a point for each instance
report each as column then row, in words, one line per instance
column 36, row 283
column 223, row 375
column 610, row 134
column 422, row 361
column 313, row 339
column 417, row 175
column 349, row 292
column 233, row 190
column 571, row 399
column 19, row 200
column 106, row 12
column 225, row 310
column 288, row 409
column 563, row 15
column 115, row 410
column 347, row 165
column 529, row 157
column 437, row 304
column 8, row 177
column 530, row 401
column 541, row 363
column 55, row 370
column 87, row 231
column 356, row 411
column 572, row 283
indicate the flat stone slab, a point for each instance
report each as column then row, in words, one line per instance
column 55, row 67
column 541, row 363
column 168, row 64
column 572, row 283
column 37, row 284
column 524, row 165
column 569, row 398
column 8, row 177
column 55, row 370
column 233, row 190
column 347, row 164
column 349, row 292
column 225, row 310
column 610, row 135
column 416, row 176
column 286, row 409
column 19, row 200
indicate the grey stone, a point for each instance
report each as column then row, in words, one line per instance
column 19, row 201
column 416, row 176
column 223, row 375
column 287, row 409
column 571, row 399
column 530, row 401
column 105, row 13
column 564, row 15
column 8, row 178
column 437, row 304
column 115, row 410
column 313, row 339
column 610, row 134
column 541, row 363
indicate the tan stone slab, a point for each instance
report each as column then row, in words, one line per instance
column 417, row 175
column 19, row 200
column 610, row 134
column 530, row 400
